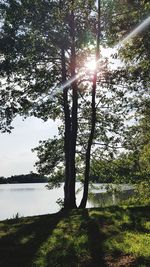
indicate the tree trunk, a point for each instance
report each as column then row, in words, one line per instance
column 67, row 129
column 74, row 119
column 70, row 134
column 93, row 123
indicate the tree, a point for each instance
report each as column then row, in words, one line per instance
column 137, row 141
column 30, row 68
column 93, row 119
column 43, row 44
column 133, row 164
column 135, row 56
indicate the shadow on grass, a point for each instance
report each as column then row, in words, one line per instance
column 24, row 237
column 78, row 238
column 95, row 240
column 127, row 241
column 76, row 241
column 138, row 216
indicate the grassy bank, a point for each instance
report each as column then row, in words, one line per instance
column 80, row 238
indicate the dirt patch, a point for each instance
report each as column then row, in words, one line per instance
column 123, row 260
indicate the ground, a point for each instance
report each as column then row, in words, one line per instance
column 112, row 237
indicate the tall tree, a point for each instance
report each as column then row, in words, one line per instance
column 43, row 45
column 93, row 118
column 44, row 48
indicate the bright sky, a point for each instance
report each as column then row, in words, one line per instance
column 15, row 148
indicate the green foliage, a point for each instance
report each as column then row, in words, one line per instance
column 125, row 169
column 50, row 154
column 145, row 158
column 102, row 171
column 56, row 178
column 141, row 195
column 144, row 125
column 31, row 41
column 51, row 161
column 121, row 17
column 129, row 236
column 134, row 164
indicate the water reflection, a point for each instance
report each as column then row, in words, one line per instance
column 36, row 199
column 109, row 198
column 23, row 189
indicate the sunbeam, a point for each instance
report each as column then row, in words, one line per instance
column 136, row 31
column 91, row 65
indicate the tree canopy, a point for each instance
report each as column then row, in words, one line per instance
column 45, row 44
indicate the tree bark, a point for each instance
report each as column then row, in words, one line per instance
column 93, row 122
column 67, row 130
column 70, row 134
column 74, row 118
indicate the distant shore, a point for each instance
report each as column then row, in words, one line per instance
column 24, row 178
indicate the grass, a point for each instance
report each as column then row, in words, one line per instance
column 96, row 237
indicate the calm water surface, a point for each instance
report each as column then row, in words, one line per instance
column 29, row 199
column 35, row 199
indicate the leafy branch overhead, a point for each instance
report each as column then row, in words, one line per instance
column 47, row 70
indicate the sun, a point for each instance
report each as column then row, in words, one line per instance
column 91, row 64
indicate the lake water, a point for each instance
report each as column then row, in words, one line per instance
column 35, row 199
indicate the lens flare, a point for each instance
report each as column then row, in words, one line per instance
column 91, row 64
column 136, row 31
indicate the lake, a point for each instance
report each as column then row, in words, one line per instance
column 35, row 199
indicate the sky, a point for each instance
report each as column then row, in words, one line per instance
column 16, row 156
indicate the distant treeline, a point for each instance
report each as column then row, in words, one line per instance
column 24, row 178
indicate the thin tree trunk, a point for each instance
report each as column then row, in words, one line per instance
column 67, row 129
column 74, row 121
column 93, row 123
